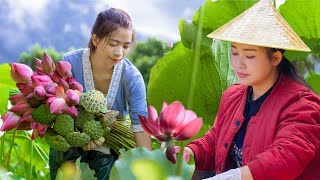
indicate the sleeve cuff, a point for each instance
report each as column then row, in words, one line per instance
column 136, row 128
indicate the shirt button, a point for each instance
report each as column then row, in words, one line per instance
column 226, row 145
column 237, row 123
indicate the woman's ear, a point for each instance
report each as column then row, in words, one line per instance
column 277, row 57
column 94, row 39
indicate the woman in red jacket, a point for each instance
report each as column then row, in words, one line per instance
column 268, row 125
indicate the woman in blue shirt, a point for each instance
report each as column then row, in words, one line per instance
column 103, row 67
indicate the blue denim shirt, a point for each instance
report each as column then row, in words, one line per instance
column 131, row 95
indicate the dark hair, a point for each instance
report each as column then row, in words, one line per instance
column 108, row 21
column 287, row 68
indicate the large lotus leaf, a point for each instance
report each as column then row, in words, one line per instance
column 6, row 84
column 314, row 44
column 314, row 81
column 140, row 163
column 170, row 79
column 220, row 12
column 304, row 18
column 188, row 32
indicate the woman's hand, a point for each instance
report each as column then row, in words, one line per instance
column 143, row 140
column 242, row 173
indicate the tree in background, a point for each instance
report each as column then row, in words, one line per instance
column 37, row 51
column 146, row 53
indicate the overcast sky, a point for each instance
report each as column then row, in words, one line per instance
column 151, row 17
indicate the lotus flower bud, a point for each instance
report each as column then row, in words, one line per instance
column 51, row 88
column 21, row 73
column 17, row 98
column 63, row 83
column 11, row 121
column 25, row 89
column 39, row 93
column 38, row 65
column 76, row 86
column 58, row 106
column 47, row 64
column 71, row 97
column 38, row 129
column 41, row 80
column 64, row 69
column 20, row 108
column 55, row 77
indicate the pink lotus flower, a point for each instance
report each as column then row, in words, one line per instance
column 174, row 122
column 21, row 73
column 64, row 69
column 11, row 121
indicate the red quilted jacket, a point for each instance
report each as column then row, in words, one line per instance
column 282, row 140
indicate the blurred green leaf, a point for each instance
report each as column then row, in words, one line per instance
column 314, row 81
column 304, row 18
column 138, row 161
column 6, row 84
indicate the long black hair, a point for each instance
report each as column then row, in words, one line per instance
column 287, row 68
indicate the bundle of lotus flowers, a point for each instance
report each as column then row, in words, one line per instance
column 52, row 104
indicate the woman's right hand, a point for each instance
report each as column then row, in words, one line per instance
column 186, row 154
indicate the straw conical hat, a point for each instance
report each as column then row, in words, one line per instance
column 261, row 25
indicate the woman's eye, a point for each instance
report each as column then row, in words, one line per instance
column 126, row 47
column 113, row 45
column 234, row 54
column 250, row 57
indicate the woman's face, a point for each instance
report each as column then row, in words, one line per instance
column 252, row 65
column 115, row 48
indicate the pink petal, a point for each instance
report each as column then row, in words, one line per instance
column 41, row 80
column 58, row 106
column 72, row 111
column 189, row 130
column 153, row 116
column 171, row 118
column 150, row 129
column 71, row 97
column 164, row 106
column 59, row 91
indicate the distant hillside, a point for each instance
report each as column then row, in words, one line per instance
column 67, row 25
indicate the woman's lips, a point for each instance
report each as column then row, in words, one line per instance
column 242, row 75
column 115, row 60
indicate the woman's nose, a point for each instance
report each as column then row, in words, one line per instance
column 239, row 61
column 118, row 52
